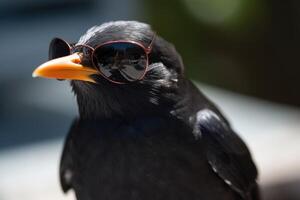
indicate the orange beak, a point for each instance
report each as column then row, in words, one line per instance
column 67, row 67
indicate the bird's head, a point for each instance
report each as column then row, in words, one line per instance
column 117, row 68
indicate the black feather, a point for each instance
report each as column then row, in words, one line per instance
column 226, row 153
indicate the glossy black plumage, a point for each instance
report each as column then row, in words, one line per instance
column 158, row 138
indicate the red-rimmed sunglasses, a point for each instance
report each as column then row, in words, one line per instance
column 119, row 61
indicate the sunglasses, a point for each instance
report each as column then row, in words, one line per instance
column 119, row 61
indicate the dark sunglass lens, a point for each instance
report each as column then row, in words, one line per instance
column 121, row 62
column 58, row 48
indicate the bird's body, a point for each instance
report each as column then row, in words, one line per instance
column 145, row 159
column 157, row 138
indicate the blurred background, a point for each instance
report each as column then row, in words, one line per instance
column 242, row 53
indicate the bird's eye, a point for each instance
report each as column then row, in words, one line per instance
column 58, row 48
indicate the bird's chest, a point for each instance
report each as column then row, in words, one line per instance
column 132, row 162
column 134, row 150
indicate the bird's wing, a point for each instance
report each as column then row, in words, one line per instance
column 226, row 153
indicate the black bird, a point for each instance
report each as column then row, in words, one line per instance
column 144, row 130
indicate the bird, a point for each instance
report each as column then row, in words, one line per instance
column 144, row 130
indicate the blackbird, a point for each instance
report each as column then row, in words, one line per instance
column 144, row 131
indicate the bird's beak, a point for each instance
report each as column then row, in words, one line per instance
column 67, row 67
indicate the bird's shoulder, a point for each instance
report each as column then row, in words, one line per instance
column 226, row 153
